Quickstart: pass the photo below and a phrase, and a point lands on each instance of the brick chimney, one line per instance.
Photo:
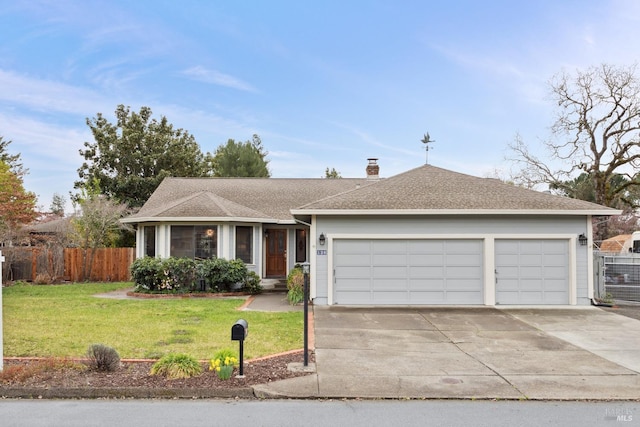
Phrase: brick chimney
(373, 169)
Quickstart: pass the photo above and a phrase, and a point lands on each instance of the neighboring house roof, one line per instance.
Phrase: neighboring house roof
(432, 190)
(241, 199)
(616, 243)
(58, 225)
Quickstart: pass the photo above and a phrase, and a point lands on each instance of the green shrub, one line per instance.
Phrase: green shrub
(236, 274)
(184, 275)
(213, 271)
(178, 275)
(175, 366)
(220, 275)
(146, 273)
(103, 358)
(252, 283)
(295, 285)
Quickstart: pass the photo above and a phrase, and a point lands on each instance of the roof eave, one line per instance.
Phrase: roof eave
(569, 212)
(135, 220)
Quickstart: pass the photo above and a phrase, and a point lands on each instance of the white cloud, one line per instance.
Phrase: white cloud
(49, 96)
(217, 78)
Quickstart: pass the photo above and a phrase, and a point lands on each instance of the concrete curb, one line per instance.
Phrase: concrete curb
(126, 392)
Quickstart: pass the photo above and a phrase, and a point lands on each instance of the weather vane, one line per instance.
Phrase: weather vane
(426, 141)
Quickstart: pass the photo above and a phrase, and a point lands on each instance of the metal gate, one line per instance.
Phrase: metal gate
(617, 276)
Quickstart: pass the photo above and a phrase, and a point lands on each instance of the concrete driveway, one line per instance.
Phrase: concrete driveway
(487, 353)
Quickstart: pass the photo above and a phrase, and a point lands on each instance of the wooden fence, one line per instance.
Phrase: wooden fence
(40, 264)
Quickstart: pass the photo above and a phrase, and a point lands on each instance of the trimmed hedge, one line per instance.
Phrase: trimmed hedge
(183, 275)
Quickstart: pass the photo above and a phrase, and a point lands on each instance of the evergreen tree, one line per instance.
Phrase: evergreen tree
(240, 159)
(130, 158)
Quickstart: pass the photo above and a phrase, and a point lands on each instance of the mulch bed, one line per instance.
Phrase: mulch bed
(48, 374)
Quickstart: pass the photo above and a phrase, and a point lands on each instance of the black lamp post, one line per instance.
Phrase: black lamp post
(305, 271)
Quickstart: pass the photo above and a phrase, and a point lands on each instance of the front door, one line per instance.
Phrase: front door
(276, 253)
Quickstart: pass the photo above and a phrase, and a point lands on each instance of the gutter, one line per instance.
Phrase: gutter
(299, 221)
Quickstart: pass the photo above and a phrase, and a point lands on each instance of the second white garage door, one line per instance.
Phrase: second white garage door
(421, 271)
(532, 271)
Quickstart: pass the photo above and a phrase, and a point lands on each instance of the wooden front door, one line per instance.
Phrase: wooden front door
(276, 253)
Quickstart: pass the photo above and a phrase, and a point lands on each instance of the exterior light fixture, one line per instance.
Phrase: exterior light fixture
(582, 239)
(322, 239)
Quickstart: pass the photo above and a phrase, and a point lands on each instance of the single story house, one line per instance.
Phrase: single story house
(428, 236)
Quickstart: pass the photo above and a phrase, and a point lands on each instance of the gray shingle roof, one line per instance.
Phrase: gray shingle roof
(426, 189)
(429, 188)
(263, 199)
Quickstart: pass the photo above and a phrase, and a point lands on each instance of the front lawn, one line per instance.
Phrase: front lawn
(63, 320)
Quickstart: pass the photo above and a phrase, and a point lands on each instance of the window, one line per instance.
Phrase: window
(150, 241)
(244, 244)
(194, 241)
(301, 245)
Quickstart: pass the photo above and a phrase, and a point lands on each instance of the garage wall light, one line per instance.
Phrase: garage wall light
(322, 239)
(582, 239)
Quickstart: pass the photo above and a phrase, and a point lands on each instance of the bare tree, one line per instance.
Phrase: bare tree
(596, 132)
(97, 226)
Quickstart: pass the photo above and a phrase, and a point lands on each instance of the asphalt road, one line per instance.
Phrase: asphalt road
(283, 413)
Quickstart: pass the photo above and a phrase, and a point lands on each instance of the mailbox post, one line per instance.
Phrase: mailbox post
(239, 332)
(305, 271)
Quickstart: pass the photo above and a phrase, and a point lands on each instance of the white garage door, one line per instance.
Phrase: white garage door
(380, 271)
(532, 271)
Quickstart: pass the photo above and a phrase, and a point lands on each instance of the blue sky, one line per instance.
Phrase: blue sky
(324, 84)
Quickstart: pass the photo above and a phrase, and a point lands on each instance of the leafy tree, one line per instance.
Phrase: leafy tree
(240, 159)
(17, 206)
(97, 225)
(333, 173)
(130, 158)
(596, 134)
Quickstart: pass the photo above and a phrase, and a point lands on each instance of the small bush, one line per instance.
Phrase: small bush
(176, 366)
(178, 275)
(146, 273)
(295, 286)
(103, 358)
(214, 271)
(252, 283)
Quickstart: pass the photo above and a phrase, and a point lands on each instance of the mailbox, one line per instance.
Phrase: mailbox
(239, 330)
